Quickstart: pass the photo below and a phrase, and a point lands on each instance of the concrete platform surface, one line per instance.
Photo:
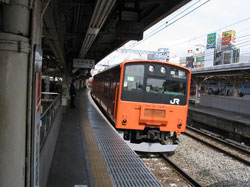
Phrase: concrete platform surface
(232, 116)
(90, 152)
(69, 166)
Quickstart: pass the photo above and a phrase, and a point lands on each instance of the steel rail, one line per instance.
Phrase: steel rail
(230, 144)
(219, 149)
(188, 178)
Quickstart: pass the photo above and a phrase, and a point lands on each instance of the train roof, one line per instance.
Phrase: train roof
(144, 61)
(157, 61)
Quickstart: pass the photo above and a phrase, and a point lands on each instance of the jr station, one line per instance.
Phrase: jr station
(136, 123)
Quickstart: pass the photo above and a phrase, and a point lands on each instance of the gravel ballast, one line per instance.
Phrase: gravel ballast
(164, 173)
(209, 167)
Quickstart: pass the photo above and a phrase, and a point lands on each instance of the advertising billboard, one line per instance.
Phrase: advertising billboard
(211, 40)
(228, 38)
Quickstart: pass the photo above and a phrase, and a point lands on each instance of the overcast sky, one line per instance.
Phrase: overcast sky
(210, 17)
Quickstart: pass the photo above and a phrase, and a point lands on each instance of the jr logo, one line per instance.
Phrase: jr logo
(175, 101)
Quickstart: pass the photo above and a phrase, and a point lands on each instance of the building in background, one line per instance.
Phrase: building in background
(245, 57)
(198, 55)
(220, 49)
(178, 60)
(124, 54)
(161, 54)
(229, 53)
(190, 61)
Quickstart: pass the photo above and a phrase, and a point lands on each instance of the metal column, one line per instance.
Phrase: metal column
(197, 93)
(14, 57)
(235, 88)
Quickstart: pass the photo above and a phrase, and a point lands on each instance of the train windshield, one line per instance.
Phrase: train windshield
(133, 79)
(154, 83)
(166, 86)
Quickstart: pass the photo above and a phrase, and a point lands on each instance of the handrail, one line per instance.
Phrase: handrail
(51, 105)
(50, 93)
(49, 115)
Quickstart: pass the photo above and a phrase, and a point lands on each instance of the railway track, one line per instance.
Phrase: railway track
(219, 138)
(183, 174)
(167, 171)
(237, 152)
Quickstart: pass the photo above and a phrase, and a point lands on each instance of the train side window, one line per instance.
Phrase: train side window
(133, 79)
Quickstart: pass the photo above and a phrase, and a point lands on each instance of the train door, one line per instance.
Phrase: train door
(116, 92)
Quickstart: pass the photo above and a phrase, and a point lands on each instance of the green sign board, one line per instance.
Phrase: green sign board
(211, 40)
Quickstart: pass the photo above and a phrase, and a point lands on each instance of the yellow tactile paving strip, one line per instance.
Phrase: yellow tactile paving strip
(99, 169)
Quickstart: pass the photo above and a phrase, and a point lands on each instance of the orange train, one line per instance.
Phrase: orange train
(147, 102)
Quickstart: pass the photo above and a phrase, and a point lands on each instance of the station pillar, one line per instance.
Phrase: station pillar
(235, 89)
(15, 67)
(197, 93)
(14, 57)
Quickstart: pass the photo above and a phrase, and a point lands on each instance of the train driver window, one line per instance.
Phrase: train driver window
(154, 85)
(174, 87)
(168, 87)
(133, 79)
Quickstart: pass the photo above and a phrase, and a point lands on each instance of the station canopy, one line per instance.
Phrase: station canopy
(92, 29)
(228, 73)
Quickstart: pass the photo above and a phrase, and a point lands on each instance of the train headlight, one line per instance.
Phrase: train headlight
(179, 125)
(124, 122)
(151, 68)
(163, 70)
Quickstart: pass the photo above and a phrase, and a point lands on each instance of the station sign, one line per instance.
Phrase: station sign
(211, 40)
(83, 63)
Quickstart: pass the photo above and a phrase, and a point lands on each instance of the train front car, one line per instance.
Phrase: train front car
(152, 105)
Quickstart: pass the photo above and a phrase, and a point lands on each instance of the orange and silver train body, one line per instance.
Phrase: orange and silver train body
(147, 102)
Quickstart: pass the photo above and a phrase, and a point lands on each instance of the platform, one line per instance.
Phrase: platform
(90, 152)
(224, 120)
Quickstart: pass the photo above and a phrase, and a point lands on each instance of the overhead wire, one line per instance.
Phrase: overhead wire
(194, 38)
(168, 24)
(235, 23)
(164, 24)
(153, 29)
(239, 43)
